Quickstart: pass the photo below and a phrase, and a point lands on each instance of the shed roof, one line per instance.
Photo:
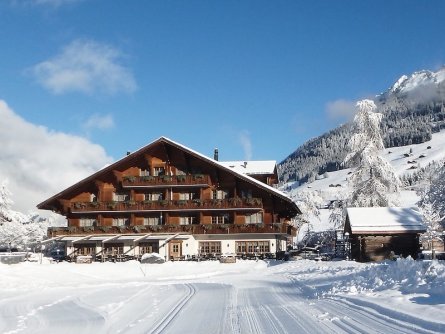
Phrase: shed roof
(385, 220)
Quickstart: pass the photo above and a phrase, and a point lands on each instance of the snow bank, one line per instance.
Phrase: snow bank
(406, 275)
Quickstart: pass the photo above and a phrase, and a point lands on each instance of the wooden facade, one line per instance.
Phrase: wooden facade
(376, 234)
(168, 190)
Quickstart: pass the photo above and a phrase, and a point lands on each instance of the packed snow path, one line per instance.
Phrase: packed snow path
(252, 301)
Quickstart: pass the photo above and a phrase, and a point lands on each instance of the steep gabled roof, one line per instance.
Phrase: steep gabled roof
(194, 153)
(384, 220)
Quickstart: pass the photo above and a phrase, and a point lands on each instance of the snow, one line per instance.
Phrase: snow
(210, 297)
(250, 167)
(384, 219)
(336, 183)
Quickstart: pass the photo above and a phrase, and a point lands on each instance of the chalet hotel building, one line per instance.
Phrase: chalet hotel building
(167, 198)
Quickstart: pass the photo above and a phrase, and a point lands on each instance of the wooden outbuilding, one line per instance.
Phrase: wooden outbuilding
(380, 233)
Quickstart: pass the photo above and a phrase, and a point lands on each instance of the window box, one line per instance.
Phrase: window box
(111, 205)
(129, 178)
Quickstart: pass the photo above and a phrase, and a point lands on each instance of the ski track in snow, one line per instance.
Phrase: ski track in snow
(247, 303)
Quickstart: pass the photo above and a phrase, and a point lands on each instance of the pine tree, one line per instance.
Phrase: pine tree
(374, 181)
(432, 197)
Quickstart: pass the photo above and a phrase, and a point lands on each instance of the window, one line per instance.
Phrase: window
(186, 196)
(158, 171)
(83, 222)
(85, 249)
(209, 247)
(220, 219)
(220, 194)
(148, 247)
(121, 197)
(144, 172)
(151, 221)
(255, 218)
(186, 220)
(252, 247)
(153, 196)
(121, 221)
(114, 249)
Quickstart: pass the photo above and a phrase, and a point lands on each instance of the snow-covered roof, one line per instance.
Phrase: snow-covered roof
(384, 220)
(252, 167)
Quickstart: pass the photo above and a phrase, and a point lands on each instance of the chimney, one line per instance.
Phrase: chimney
(215, 154)
(128, 153)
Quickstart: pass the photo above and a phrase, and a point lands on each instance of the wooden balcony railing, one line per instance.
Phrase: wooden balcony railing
(166, 180)
(276, 228)
(165, 205)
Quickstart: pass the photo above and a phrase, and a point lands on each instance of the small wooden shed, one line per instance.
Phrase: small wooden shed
(377, 233)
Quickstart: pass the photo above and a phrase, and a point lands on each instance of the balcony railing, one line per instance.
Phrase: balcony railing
(276, 228)
(166, 205)
(166, 180)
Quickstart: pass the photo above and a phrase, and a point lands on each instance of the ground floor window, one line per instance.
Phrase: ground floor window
(252, 247)
(114, 249)
(209, 247)
(85, 249)
(148, 247)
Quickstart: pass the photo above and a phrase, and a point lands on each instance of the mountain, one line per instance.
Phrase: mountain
(413, 109)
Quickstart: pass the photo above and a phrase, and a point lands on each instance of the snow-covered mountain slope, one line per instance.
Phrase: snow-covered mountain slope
(413, 109)
(422, 80)
(405, 160)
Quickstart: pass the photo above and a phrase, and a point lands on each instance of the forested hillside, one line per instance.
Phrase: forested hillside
(413, 108)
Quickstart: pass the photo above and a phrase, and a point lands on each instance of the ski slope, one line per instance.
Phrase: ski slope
(209, 297)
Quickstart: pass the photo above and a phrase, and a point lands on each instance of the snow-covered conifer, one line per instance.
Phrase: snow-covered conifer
(374, 181)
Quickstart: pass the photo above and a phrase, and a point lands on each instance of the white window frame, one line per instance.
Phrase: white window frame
(151, 221)
(121, 197)
(121, 221)
(84, 222)
(220, 194)
(254, 218)
(153, 196)
(157, 171)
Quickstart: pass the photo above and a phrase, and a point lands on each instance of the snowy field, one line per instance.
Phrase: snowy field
(208, 297)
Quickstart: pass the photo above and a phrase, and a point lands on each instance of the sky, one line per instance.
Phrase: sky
(84, 81)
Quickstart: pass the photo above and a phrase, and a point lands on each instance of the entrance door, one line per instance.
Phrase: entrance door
(175, 250)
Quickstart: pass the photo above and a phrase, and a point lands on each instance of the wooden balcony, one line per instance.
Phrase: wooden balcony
(165, 205)
(277, 228)
(198, 180)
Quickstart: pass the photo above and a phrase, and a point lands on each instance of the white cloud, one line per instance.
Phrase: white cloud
(85, 66)
(101, 122)
(39, 163)
(341, 109)
(246, 143)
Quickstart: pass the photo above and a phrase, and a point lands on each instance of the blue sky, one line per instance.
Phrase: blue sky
(254, 78)
(84, 81)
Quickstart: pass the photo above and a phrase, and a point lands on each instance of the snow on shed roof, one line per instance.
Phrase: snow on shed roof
(251, 167)
(385, 220)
